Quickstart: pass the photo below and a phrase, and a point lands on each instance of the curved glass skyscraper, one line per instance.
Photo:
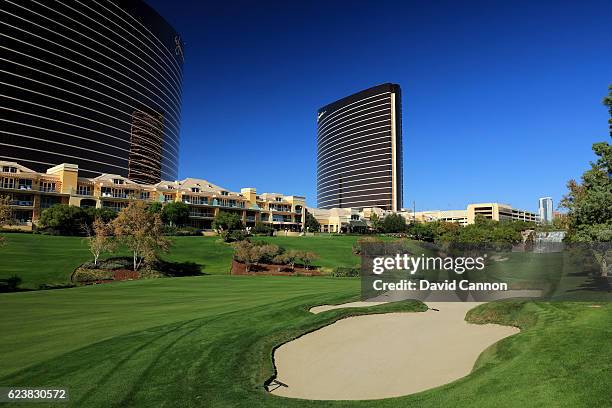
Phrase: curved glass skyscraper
(359, 150)
(95, 83)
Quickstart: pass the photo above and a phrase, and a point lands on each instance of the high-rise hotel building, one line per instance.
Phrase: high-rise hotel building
(359, 150)
(95, 83)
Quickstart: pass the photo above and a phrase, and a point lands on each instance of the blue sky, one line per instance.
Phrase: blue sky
(501, 100)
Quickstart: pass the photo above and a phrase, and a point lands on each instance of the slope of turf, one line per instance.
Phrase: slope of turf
(207, 341)
(44, 259)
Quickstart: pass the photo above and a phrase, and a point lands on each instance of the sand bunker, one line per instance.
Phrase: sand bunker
(384, 355)
(325, 308)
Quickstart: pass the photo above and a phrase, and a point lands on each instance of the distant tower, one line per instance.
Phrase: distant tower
(545, 208)
(359, 150)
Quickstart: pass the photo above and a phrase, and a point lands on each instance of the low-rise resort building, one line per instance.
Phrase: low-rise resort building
(31, 192)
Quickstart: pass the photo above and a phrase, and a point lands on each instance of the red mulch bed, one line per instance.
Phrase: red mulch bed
(238, 268)
(118, 275)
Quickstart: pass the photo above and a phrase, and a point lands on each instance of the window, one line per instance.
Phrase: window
(279, 199)
(83, 189)
(224, 193)
(47, 186)
(145, 195)
(118, 181)
(9, 169)
(168, 197)
(8, 182)
(195, 189)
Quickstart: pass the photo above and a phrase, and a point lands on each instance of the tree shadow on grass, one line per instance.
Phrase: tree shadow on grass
(178, 269)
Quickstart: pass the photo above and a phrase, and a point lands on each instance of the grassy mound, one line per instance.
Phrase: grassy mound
(207, 341)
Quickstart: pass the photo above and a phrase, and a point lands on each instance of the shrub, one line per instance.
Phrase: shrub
(10, 284)
(357, 246)
(262, 229)
(63, 219)
(345, 272)
(92, 275)
(182, 231)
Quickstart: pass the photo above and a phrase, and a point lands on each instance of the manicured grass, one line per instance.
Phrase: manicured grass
(333, 250)
(43, 259)
(207, 341)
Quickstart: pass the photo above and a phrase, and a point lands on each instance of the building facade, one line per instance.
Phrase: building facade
(95, 83)
(359, 150)
(31, 192)
(341, 220)
(545, 209)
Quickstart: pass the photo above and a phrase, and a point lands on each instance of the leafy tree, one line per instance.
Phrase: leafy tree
(6, 214)
(99, 238)
(72, 220)
(226, 223)
(175, 213)
(141, 231)
(310, 223)
(156, 207)
(261, 228)
(422, 231)
(307, 257)
(246, 252)
(589, 202)
(376, 223)
(63, 219)
(268, 251)
(394, 223)
(288, 258)
(589, 205)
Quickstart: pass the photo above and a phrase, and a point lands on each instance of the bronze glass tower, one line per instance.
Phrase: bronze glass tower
(359, 150)
(95, 83)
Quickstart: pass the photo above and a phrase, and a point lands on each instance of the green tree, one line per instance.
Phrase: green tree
(394, 223)
(156, 207)
(72, 220)
(589, 204)
(422, 231)
(63, 219)
(227, 224)
(261, 228)
(307, 257)
(247, 253)
(141, 232)
(6, 213)
(288, 258)
(375, 223)
(310, 223)
(99, 238)
(175, 213)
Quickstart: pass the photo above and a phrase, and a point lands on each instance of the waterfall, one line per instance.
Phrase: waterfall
(549, 241)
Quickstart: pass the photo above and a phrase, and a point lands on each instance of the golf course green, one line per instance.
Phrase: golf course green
(207, 341)
(45, 259)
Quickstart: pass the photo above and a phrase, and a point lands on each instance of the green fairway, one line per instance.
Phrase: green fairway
(44, 259)
(207, 341)
(41, 259)
(333, 250)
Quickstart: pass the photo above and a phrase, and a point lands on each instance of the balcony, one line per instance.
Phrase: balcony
(48, 190)
(22, 203)
(201, 215)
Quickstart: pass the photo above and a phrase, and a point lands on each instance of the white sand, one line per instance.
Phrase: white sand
(325, 308)
(385, 355)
